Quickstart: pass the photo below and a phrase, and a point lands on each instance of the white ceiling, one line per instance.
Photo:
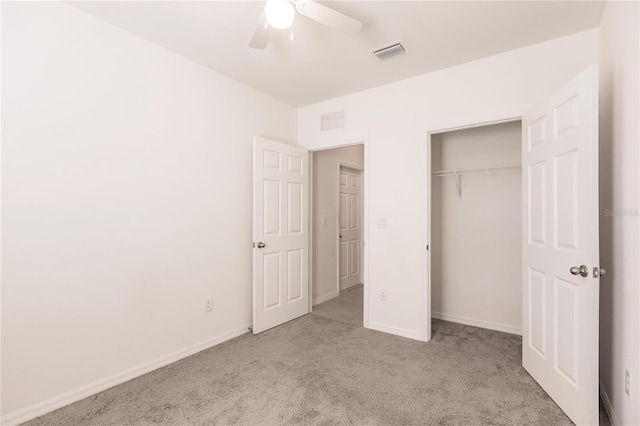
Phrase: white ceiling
(320, 64)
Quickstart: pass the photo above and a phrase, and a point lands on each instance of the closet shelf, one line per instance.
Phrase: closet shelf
(458, 172)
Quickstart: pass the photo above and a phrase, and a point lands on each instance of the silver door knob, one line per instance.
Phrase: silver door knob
(582, 270)
(261, 245)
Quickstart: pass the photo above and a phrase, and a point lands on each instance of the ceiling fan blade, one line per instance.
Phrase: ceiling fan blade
(261, 34)
(330, 17)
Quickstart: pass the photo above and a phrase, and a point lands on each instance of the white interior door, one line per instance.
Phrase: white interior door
(280, 233)
(560, 234)
(350, 227)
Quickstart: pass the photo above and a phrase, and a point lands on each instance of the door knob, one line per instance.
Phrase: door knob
(261, 245)
(582, 270)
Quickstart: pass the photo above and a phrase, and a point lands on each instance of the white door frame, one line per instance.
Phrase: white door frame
(365, 232)
(429, 168)
(360, 169)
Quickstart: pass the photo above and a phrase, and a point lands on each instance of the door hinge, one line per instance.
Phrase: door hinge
(427, 247)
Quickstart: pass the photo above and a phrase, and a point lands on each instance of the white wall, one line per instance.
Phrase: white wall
(476, 246)
(326, 166)
(396, 118)
(619, 187)
(125, 205)
(126, 186)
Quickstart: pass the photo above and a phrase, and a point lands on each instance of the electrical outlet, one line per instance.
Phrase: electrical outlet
(627, 382)
(383, 294)
(208, 304)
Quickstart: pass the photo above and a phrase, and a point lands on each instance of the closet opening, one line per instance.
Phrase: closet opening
(475, 227)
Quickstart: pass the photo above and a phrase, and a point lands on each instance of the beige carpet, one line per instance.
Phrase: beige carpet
(317, 371)
(347, 307)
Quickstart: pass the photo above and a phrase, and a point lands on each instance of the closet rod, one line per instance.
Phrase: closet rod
(441, 173)
(456, 173)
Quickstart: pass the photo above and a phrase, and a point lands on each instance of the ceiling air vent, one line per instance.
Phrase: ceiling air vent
(387, 52)
(333, 121)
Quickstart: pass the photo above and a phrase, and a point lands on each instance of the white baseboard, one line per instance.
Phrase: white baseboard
(410, 334)
(477, 323)
(350, 286)
(607, 405)
(328, 296)
(60, 401)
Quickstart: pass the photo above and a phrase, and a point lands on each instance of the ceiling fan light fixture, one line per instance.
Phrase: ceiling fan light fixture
(279, 14)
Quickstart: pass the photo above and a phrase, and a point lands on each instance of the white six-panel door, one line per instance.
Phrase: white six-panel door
(560, 232)
(280, 233)
(350, 227)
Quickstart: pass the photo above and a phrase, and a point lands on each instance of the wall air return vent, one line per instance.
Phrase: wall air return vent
(333, 121)
(390, 50)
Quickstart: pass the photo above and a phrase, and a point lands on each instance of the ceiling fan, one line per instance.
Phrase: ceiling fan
(280, 14)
